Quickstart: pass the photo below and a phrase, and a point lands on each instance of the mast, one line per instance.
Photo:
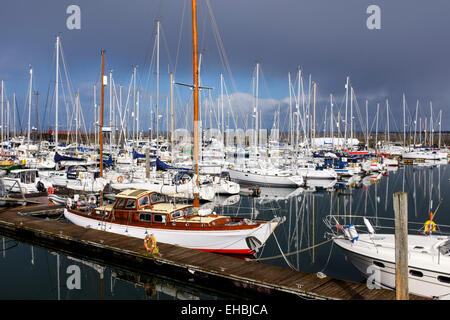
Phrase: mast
(56, 92)
(290, 111)
(221, 102)
(387, 115)
(76, 119)
(351, 116)
(157, 81)
(171, 114)
(376, 130)
(346, 106)
(134, 104)
(314, 115)
(8, 118)
(367, 125)
(331, 121)
(110, 110)
(29, 107)
(404, 121)
(440, 128)
(415, 122)
(256, 106)
(137, 116)
(36, 93)
(195, 78)
(431, 125)
(95, 115)
(2, 101)
(101, 117)
(14, 112)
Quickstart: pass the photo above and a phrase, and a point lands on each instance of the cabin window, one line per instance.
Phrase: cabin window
(143, 201)
(145, 217)
(156, 197)
(189, 211)
(159, 218)
(445, 248)
(177, 214)
(120, 203)
(131, 204)
(416, 273)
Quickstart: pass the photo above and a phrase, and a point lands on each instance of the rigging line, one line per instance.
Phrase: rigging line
(179, 38)
(221, 45)
(229, 104)
(147, 49)
(166, 47)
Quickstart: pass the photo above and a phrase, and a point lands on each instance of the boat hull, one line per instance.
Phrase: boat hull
(237, 241)
(248, 178)
(381, 270)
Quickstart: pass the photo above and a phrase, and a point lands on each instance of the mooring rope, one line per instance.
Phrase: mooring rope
(283, 255)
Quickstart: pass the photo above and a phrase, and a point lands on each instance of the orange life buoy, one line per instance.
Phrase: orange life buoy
(119, 179)
(430, 226)
(150, 243)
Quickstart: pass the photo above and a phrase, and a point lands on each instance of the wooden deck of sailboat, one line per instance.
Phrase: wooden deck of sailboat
(228, 272)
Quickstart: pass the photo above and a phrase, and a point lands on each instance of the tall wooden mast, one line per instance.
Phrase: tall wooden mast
(195, 74)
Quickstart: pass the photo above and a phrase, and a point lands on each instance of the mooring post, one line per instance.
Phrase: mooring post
(147, 163)
(401, 245)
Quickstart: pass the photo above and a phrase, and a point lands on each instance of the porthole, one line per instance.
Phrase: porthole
(378, 264)
(443, 279)
(416, 273)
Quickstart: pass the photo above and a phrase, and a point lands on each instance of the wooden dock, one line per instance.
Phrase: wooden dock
(245, 279)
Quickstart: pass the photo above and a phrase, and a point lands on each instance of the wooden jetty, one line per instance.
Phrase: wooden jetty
(244, 279)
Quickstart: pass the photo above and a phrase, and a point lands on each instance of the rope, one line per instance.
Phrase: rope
(10, 247)
(290, 253)
(285, 259)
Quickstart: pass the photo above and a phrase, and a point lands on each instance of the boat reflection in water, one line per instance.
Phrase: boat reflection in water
(41, 274)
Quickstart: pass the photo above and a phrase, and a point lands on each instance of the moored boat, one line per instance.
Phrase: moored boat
(139, 213)
(373, 254)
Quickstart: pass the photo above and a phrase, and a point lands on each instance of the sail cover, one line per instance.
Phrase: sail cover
(59, 158)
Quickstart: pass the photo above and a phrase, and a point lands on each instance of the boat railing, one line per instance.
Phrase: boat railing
(362, 224)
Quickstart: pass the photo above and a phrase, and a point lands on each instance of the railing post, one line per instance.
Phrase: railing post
(401, 245)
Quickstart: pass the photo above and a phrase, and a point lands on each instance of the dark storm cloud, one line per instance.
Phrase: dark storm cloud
(328, 39)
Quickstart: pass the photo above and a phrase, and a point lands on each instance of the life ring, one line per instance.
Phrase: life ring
(50, 190)
(150, 243)
(120, 179)
(429, 226)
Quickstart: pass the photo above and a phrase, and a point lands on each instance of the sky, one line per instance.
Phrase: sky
(327, 39)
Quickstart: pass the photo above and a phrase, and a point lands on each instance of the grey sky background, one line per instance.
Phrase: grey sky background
(326, 38)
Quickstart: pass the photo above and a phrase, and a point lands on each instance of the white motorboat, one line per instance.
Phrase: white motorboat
(373, 253)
